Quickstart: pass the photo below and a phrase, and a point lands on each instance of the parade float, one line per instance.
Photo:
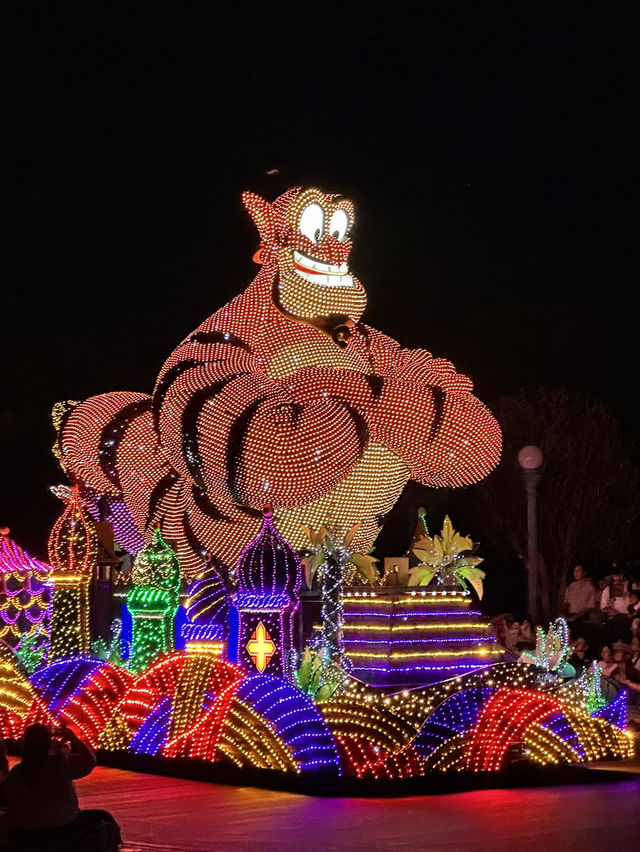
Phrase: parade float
(279, 435)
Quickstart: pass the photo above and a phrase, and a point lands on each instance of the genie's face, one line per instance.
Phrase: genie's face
(305, 235)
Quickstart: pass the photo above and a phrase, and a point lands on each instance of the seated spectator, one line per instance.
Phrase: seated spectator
(42, 801)
(614, 604)
(622, 659)
(634, 659)
(580, 659)
(634, 603)
(527, 634)
(580, 597)
(615, 598)
(606, 661)
(610, 688)
(628, 677)
(505, 631)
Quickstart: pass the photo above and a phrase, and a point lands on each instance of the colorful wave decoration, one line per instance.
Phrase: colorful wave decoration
(201, 707)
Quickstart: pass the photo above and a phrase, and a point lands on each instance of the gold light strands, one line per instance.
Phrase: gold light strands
(73, 547)
(247, 740)
(16, 694)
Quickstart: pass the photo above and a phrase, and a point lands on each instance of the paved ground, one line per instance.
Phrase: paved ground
(161, 814)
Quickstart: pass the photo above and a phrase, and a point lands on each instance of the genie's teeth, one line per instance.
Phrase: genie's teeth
(324, 274)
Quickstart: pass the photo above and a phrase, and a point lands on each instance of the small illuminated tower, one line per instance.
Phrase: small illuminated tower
(269, 575)
(153, 602)
(73, 547)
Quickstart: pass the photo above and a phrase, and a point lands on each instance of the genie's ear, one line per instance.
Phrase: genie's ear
(262, 214)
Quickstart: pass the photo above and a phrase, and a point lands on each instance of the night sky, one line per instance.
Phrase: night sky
(491, 154)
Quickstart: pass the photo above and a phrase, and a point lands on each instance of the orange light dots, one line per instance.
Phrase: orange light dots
(283, 396)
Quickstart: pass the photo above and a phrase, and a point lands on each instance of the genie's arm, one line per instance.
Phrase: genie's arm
(426, 411)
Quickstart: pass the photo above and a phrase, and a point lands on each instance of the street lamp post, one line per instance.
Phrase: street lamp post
(530, 459)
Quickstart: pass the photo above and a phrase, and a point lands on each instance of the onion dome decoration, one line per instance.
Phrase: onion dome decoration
(73, 542)
(157, 566)
(268, 564)
(153, 601)
(73, 548)
(24, 591)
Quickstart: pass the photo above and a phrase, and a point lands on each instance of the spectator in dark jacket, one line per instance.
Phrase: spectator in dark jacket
(41, 797)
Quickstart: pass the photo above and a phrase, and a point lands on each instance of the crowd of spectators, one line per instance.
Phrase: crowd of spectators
(604, 624)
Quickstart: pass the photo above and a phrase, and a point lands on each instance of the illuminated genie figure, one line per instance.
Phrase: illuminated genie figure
(281, 397)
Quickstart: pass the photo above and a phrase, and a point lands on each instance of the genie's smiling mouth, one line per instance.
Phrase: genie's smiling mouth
(324, 274)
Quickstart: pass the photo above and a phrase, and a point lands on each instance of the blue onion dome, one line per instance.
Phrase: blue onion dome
(268, 564)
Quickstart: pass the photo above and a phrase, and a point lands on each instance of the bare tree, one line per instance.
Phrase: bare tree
(589, 493)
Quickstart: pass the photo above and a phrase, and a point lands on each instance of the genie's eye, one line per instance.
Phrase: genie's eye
(312, 222)
(339, 224)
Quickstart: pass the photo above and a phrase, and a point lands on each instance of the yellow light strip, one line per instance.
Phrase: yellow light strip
(64, 579)
(418, 599)
(215, 649)
(482, 652)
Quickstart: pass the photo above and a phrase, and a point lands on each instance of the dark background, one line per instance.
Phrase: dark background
(490, 149)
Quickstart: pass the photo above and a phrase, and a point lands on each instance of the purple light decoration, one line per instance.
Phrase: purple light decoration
(208, 597)
(269, 576)
(457, 667)
(422, 613)
(25, 590)
(202, 632)
(14, 558)
(261, 602)
(116, 512)
(295, 719)
(558, 724)
(152, 734)
(269, 564)
(617, 712)
(404, 642)
(60, 681)
(420, 637)
(432, 735)
(461, 711)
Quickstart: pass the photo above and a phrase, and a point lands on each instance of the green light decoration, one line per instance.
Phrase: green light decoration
(552, 651)
(111, 652)
(316, 679)
(32, 650)
(153, 602)
(593, 689)
(449, 558)
(327, 544)
(332, 559)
